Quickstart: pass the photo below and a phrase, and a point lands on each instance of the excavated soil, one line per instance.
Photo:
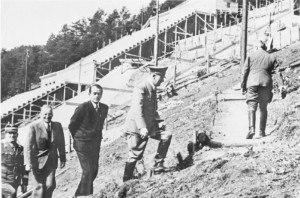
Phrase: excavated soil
(266, 167)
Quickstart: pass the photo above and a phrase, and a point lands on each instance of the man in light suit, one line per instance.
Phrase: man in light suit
(45, 140)
(257, 83)
(86, 129)
(143, 121)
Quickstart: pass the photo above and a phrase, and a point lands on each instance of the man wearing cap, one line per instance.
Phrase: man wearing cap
(13, 172)
(257, 83)
(86, 129)
(143, 121)
(44, 144)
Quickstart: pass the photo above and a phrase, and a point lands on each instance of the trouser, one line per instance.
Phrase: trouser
(44, 182)
(137, 147)
(9, 190)
(89, 162)
(259, 96)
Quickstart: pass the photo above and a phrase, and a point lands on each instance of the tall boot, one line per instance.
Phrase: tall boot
(128, 172)
(251, 120)
(263, 123)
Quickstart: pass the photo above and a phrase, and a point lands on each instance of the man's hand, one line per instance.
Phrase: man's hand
(28, 167)
(62, 164)
(23, 188)
(144, 133)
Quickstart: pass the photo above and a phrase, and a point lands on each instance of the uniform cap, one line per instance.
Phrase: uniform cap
(10, 129)
(158, 70)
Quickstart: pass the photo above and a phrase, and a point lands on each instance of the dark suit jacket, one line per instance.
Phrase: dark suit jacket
(36, 144)
(86, 125)
(143, 108)
(257, 70)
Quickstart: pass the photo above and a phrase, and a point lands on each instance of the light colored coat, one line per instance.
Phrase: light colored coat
(143, 109)
(36, 151)
(257, 70)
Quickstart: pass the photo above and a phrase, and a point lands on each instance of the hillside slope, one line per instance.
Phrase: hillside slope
(267, 167)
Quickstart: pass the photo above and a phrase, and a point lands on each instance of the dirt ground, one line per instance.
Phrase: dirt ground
(267, 167)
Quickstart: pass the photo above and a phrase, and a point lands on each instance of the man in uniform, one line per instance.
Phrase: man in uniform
(86, 129)
(143, 121)
(45, 140)
(257, 83)
(13, 172)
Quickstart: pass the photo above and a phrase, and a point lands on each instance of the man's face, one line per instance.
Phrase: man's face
(96, 94)
(12, 136)
(158, 79)
(47, 114)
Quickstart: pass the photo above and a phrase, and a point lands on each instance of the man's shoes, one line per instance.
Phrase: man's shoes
(159, 167)
(250, 135)
(262, 134)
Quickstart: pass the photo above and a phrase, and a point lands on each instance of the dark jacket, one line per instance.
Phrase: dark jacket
(12, 164)
(86, 124)
(37, 151)
(257, 70)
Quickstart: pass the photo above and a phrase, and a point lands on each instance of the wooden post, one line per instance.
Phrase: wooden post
(196, 25)
(205, 39)
(24, 114)
(54, 99)
(12, 118)
(279, 39)
(65, 89)
(185, 32)
(94, 73)
(47, 99)
(225, 18)
(79, 77)
(156, 42)
(30, 109)
(140, 49)
(215, 31)
(109, 66)
(165, 46)
(244, 32)
(222, 33)
(174, 80)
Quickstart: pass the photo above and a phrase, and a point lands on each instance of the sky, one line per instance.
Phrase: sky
(31, 22)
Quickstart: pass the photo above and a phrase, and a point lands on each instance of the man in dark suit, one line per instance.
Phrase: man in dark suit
(13, 172)
(45, 140)
(86, 128)
(257, 82)
(143, 121)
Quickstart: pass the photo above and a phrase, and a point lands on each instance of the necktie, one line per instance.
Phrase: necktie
(14, 145)
(97, 107)
(49, 133)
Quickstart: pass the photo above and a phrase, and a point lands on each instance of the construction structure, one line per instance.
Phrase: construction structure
(194, 30)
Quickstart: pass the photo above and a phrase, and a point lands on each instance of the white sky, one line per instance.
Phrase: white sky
(30, 22)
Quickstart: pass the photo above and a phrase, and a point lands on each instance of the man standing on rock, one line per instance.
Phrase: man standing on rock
(257, 82)
(143, 121)
(44, 144)
(86, 128)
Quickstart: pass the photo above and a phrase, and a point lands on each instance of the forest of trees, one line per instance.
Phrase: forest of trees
(73, 41)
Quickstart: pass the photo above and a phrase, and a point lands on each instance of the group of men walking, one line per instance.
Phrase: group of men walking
(45, 142)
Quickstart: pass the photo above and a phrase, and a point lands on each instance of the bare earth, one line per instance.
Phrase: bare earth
(267, 167)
